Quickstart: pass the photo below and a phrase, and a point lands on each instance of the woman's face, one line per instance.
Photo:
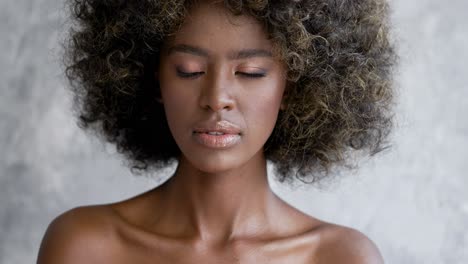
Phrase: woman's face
(221, 87)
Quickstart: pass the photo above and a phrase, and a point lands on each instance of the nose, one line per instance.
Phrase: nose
(217, 94)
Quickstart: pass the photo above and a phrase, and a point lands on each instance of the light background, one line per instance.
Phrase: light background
(412, 200)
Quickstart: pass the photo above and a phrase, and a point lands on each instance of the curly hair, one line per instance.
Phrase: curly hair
(339, 61)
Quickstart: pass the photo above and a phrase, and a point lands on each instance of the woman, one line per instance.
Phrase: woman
(220, 88)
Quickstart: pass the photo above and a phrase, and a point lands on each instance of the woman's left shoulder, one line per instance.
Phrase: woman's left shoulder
(340, 244)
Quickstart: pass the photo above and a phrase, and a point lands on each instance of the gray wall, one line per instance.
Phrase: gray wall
(412, 201)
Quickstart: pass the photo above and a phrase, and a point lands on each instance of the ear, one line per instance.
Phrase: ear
(158, 94)
(285, 95)
(283, 106)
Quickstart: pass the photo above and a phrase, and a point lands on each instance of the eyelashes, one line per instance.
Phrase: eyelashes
(193, 75)
(188, 75)
(252, 75)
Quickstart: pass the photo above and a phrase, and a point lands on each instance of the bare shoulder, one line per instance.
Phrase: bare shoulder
(81, 235)
(346, 245)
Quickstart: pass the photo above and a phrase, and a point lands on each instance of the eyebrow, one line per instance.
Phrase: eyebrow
(188, 49)
(241, 54)
(249, 53)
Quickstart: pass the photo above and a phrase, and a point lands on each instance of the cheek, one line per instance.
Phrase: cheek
(172, 94)
(265, 107)
(267, 110)
(176, 117)
(174, 100)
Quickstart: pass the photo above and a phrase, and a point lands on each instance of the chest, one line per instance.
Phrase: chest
(185, 254)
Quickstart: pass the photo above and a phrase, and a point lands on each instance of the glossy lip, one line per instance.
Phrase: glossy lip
(217, 141)
(231, 134)
(222, 126)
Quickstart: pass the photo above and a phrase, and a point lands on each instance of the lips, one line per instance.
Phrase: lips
(218, 128)
(217, 141)
(217, 135)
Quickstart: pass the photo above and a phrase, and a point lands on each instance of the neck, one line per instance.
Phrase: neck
(219, 206)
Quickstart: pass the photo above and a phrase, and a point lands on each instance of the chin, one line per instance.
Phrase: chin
(218, 163)
(214, 164)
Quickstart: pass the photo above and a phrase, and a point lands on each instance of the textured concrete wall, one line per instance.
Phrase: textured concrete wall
(412, 201)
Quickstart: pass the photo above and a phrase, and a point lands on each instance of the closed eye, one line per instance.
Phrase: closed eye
(251, 75)
(188, 75)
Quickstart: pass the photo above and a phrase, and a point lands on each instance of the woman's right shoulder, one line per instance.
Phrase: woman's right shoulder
(85, 234)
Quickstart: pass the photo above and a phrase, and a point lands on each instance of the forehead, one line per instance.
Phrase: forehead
(214, 27)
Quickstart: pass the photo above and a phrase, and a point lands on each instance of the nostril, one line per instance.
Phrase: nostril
(218, 104)
(217, 97)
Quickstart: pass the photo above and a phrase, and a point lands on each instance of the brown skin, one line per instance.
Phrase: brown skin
(217, 207)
